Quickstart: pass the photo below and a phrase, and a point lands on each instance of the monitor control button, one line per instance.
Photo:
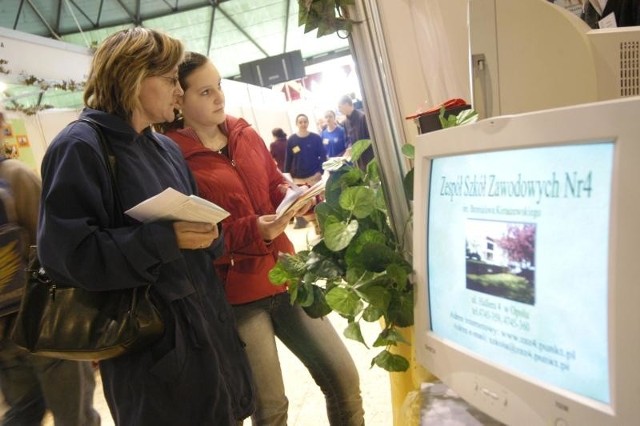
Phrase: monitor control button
(561, 422)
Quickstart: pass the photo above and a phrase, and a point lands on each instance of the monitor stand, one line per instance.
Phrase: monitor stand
(442, 406)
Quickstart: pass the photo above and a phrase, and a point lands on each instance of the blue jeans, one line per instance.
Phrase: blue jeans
(32, 384)
(315, 342)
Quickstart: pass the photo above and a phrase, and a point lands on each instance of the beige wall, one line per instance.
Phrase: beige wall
(428, 47)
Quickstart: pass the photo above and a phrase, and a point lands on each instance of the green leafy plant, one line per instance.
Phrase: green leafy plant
(464, 117)
(328, 16)
(358, 269)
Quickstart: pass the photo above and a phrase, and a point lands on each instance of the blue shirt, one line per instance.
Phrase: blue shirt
(334, 141)
(305, 155)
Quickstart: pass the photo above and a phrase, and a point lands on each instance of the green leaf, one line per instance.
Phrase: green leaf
(376, 295)
(371, 313)
(359, 200)
(303, 12)
(294, 265)
(323, 210)
(353, 332)
(305, 295)
(352, 255)
(390, 362)
(373, 171)
(389, 337)
(319, 308)
(338, 235)
(278, 275)
(354, 274)
(358, 148)
(333, 187)
(446, 120)
(400, 310)
(466, 116)
(328, 268)
(344, 302)
(381, 201)
(323, 7)
(398, 274)
(353, 176)
(409, 150)
(293, 292)
(407, 184)
(326, 27)
(375, 256)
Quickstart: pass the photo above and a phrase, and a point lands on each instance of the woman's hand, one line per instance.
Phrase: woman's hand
(194, 235)
(269, 227)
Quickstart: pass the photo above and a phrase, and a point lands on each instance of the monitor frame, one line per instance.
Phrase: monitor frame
(496, 390)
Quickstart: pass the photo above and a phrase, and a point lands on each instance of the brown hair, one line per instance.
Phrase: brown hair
(277, 132)
(120, 64)
(192, 61)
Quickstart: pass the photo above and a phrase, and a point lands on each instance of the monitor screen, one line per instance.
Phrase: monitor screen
(523, 240)
(503, 268)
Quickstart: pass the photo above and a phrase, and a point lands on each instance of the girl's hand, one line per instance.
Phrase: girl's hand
(269, 227)
(306, 208)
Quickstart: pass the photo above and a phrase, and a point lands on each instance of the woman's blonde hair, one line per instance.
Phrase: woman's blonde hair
(120, 64)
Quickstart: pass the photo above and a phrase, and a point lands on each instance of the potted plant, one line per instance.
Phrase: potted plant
(359, 268)
(328, 16)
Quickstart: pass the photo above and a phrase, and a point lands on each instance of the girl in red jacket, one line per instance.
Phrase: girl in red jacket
(234, 169)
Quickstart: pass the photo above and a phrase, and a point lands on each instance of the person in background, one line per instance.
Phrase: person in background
(355, 126)
(32, 384)
(197, 372)
(303, 160)
(321, 124)
(278, 147)
(333, 136)
(233, 169)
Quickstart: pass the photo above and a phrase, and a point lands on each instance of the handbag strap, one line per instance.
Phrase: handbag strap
(110, 158)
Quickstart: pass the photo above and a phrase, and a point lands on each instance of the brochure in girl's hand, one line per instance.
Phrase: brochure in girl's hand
(173, 205)
(297, 196)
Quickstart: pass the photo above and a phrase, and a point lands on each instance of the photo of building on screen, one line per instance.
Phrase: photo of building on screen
(500, 259)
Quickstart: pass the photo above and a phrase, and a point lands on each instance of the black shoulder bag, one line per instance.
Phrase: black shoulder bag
(61, 321)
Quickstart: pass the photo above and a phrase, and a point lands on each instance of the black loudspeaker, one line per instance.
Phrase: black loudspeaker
(273, 70)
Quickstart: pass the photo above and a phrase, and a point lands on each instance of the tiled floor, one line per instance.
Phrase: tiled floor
(306, 402)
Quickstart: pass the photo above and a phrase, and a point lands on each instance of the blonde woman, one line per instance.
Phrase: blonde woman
(197, 372)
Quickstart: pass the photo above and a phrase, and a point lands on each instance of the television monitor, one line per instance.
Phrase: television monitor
(274, 69)
(526, 236)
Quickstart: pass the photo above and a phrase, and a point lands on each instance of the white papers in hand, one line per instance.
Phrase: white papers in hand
(298, 196)
(173, 205)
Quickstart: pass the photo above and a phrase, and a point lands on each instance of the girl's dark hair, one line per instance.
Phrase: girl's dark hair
(278, 133)
(192, 61)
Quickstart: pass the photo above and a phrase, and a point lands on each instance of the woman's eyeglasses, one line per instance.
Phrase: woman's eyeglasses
(173, 80)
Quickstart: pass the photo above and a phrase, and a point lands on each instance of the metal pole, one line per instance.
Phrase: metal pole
(382, 110)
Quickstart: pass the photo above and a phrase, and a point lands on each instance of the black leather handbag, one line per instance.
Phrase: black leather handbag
(61, 321)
